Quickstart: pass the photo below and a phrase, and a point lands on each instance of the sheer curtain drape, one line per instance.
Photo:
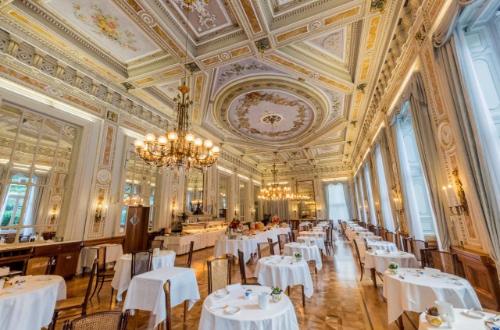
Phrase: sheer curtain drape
(337, 202)
(369, 190)
(385, 201)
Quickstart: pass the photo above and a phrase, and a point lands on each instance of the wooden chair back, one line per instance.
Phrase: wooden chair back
(358, 254)
(241, 263)
(157, 244)
(271, 246)
(168, 305)
(190, 254)
(101, 259)
(100, 320)
(282, 240)
(443, 261)
(138, 259)
(261, 247)
(408, 244)
(389, 236)
(219, 273)
(38, 266)
(88, 291)
(417, 246)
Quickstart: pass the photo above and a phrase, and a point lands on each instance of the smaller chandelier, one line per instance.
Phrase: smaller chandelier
(133, 200)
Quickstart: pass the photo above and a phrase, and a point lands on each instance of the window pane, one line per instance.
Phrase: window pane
(385, 202)
(337, 204)
(371, 204)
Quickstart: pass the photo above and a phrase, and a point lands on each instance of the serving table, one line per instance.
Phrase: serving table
(123, 269)
(146, 291)
(308, 252)
(31, 304)
(277, 316)
(416, 290)
(284, 272)
(201, 239)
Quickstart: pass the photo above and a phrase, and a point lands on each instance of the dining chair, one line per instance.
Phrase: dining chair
(138, 259)
(219, 273)
(243, 273)
(426, 257)
(190, 254)
(389, 236)
(157, 244)
(271, 246)
(444, 261)
(360, 262)
(103, 273)
(75, 306)
(282, 240)
(417, 246)
(100, 320)
(168, 305)
(38, 266)
(260, 248)
(290, 236)
(329, 239)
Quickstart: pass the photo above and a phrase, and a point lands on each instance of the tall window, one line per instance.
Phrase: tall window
(35, 159)
(363, 201)
(481, 65)
(414, 183)
(358, 198)
(369, 191)
(385, 202)
(337, 203)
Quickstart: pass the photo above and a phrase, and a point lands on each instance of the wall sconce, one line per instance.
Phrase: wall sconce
(99, 209)
(53, 214)
(455, 195)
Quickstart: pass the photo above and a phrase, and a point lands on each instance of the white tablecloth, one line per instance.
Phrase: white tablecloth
(381, 245)
(180, 244)
(321, 234)
(89, 253)
(262, 236)
(309, 253)
(318, 241)
(462, 321)
(123, 269)
(31, 306)
(146, 290)
(231, 246)
(278, 316)
(380, 260)
(415, 290)
(282, 272)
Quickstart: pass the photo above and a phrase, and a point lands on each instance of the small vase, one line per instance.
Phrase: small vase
(276, 297)
(393, 271)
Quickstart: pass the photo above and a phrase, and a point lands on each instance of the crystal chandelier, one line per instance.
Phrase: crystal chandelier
(178, 147)
(277, 192)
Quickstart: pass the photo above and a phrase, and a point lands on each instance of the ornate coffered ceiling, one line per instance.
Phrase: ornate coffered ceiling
(292, 76)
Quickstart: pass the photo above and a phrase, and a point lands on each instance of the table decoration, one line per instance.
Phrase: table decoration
(298, 256)
(393, 268)
(276, 294)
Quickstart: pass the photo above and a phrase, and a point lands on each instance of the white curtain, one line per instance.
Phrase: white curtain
(359, 201)
(420, 213)
(369, 190)
(337, 203)
(385, 202)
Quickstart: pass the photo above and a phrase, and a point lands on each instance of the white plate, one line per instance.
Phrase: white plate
(221, 293)
(231, 310)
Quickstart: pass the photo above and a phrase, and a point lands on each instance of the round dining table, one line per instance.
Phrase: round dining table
(246, 313)
(308, 252)
(464, 320)
(381, 245)
(284, 272)
(415, 290)
(28, 302)
(312, 240)
(123, 269)
(378, 261)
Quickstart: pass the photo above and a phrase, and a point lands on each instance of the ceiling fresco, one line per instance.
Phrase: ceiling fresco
(292, 76)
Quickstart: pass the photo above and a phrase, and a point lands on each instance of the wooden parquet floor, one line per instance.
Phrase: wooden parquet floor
(340, 300)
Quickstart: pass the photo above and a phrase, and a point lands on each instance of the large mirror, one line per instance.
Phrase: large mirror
(223, 193)
(36, 155)
(194, 191)
(243, 197)
(306, 209)
(139, 186)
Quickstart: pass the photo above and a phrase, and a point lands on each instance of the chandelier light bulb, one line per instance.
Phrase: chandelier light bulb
(198, 142)
(208, 144)
(162, 139)
(189, 137)
(139, 144)
(216, 150)
(172, 136)
(150, 137)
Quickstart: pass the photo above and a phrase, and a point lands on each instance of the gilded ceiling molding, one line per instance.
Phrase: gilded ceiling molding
(226, 56)
(251, 16)
(66, 83)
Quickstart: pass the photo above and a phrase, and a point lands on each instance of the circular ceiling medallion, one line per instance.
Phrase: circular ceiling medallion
(269, 110)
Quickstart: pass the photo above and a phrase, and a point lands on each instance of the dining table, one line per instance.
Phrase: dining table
(284, 272)
(28, 302)
(245, 244)
(123, 269)
(377, 245)
(146, 292)
(415, 290)
(89, 253)
(465, 319)
(308, 252)
(313, 240)
(236, 307)
(379, 260)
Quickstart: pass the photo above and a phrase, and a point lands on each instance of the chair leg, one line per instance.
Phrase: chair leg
(111, 299)
(303, 298)
(52, 325)
(100, 287)
(185, 310)
(95, 288)
(362, 273)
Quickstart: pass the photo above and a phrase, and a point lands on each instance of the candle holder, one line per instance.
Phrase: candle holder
(457, 203)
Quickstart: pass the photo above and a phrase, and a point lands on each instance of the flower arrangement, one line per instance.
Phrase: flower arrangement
(234, 224)
(393, 267)
(275, 220)
(276, 294)
(297, 256)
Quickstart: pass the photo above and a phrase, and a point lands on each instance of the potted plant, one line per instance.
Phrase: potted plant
(298, 256)
(393, 268)
(432, 316)
(276, 294)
